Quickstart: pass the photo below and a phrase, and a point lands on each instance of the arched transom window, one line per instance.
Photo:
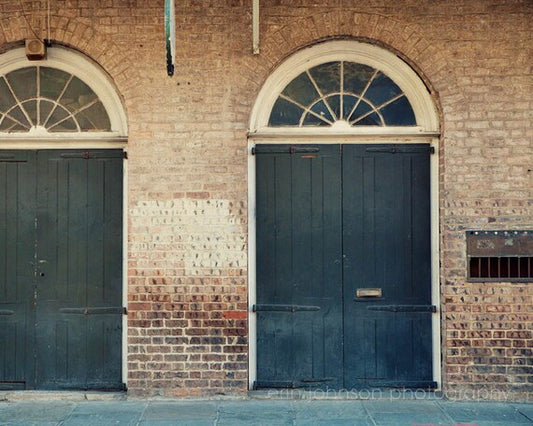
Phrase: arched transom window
(49, 100)
(65, 98)
(346, 88)
(342, 92)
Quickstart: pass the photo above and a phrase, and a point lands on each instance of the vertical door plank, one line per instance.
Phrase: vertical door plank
(95, 232)
(112, 231)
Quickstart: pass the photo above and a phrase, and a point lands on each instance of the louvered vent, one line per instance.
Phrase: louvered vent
(500, 255)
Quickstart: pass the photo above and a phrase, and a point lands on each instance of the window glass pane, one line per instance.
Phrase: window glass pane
(321, 109)
(17, 128)
(285, 113)
(31, 109)
(334, 103)
(381, 90)
(58, 115)
(301, 90)
(6, 124)
(24, 83)
(348, 104)
(77, 95)
(45, 107)
(356, 77)
(399, 113)
(52, 82)
(362, 109)
(312, 120)
(6, 98)
(68, 125)
(370, 120)
(94, 118)
(327, 77)
(17, 115)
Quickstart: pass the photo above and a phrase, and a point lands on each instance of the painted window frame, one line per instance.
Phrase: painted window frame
(400, 72)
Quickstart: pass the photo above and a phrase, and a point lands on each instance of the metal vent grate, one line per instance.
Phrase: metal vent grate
(501, 268)
(500, 255)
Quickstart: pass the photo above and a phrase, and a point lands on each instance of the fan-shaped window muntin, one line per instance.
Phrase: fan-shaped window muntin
(342, 92)
(50, 100)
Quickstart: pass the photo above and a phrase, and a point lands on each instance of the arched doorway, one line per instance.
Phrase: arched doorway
(62, 139)
(344, 225)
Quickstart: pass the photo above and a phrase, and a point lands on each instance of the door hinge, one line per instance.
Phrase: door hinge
(284, 308)
(11, 158)
(12, 385)
(284, 149)
(405, 384)
(291, 384)
(402, 149)
(403, 308)
(94, 310)
(93, 154)
(284, 384)
(318, 379)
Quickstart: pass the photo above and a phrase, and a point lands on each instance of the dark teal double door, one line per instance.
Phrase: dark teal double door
(343, 266)
(61, 269)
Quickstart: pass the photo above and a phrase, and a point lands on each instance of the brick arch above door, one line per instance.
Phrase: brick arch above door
(75, 35)
(406, 39)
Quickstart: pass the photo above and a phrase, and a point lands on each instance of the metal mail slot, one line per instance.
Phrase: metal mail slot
(369, 292)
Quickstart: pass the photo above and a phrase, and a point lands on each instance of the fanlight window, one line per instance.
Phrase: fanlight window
(48, 100)
(342, 93)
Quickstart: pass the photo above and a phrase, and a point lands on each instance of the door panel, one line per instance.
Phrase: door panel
(80, 278)
(298, 220)
(17, 237)
(61, 269)
(332, 220)
(386, 244)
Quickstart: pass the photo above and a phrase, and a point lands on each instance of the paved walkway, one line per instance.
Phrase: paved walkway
(234, 412)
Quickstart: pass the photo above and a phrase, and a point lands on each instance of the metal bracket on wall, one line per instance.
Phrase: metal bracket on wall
(255, 27)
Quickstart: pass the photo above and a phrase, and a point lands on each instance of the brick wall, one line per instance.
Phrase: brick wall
(187, 167)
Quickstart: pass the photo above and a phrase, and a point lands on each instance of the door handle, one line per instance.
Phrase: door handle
(368, 292)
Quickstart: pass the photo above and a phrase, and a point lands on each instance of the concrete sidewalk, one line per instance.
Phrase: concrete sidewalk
(234, 412)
